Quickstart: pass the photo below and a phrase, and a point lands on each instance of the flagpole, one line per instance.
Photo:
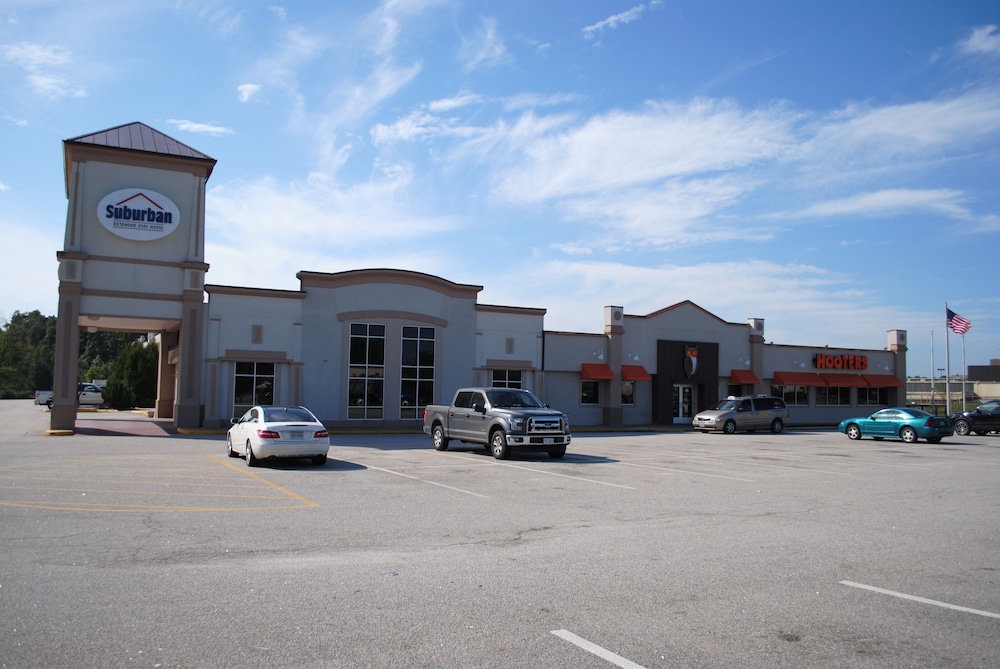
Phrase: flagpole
(947, 361)
(964, 370)
(933, 384)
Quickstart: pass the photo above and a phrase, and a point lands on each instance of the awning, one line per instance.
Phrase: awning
(635, 373)
(798, 379)
(841, 380)
(593, 371)
(743, 376)
(882, 381)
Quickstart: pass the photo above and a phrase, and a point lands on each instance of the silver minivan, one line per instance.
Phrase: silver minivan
(750, 413)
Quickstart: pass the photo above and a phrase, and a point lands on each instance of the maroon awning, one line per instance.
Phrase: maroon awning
(798, 379)
(592, 371)
(743, 376)
(882, 381)
(841, 380)
(635, 373)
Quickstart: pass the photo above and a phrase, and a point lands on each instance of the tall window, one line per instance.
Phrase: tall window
(366, 375)
(253, 384)
(873, 397)
(590, 392)
(628, 393)
(793, 395)
(506, 378)
(833, 395)
(416, 372)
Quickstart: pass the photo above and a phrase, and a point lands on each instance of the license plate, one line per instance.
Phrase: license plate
(548, 440)
(296, 435)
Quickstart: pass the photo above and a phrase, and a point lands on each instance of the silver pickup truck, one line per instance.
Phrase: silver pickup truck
(501, 419)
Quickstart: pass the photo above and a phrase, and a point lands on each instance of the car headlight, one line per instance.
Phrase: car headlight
(517, 424)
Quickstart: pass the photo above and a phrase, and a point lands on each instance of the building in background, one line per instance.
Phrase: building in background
(371, 347)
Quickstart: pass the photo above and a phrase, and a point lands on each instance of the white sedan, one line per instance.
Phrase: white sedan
(266, 432)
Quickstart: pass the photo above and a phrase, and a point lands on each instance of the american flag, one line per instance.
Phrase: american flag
(958, 324)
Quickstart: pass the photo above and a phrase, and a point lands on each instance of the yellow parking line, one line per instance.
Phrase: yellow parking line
(275, 486)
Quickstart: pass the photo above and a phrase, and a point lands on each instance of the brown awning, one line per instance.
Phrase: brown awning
(798, 379)
(841, 380)
(742, 376)
(596, 372)
(882, 381)
(635, 373)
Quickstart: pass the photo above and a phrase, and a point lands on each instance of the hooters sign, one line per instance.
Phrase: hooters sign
(690, 360)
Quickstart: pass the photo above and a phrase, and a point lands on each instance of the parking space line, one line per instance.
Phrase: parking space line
(274, 486)
(683, 471)
(594, 649)
(922, 600)
(417, 478)
(557, 474)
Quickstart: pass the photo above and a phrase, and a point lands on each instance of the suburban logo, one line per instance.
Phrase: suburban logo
(138, 214)
(690, 360)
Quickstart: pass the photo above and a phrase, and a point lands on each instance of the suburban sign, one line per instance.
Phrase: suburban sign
(138, 214)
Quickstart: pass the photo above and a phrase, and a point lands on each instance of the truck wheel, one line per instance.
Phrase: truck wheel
(498, 445)
(440, 441)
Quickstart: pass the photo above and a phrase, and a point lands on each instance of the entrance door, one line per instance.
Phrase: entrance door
(683, 404)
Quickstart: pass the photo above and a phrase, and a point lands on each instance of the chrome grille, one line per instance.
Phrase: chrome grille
(547, 425)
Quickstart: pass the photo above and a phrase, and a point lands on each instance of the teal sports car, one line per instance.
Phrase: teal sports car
(898, 423)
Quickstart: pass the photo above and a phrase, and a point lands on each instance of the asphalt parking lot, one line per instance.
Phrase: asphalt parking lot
(134, 547)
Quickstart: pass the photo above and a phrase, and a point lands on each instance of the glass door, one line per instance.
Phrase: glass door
(683, 404)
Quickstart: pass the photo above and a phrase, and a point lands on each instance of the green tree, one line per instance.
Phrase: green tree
(27, 353)
(133, 375)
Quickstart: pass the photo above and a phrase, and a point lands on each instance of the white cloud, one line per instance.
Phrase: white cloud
(455, 102)
(891, 202)
(247, 91)
(620, 150)
(484, 48)
(982, 41)
(43, 65)
(200, 128)
(613, 22)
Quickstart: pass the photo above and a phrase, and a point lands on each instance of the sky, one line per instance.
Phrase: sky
(830, 167)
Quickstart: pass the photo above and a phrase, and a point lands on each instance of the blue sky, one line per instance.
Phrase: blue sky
(829, 167)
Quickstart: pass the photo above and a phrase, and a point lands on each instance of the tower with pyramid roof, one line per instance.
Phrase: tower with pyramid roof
(133, 260)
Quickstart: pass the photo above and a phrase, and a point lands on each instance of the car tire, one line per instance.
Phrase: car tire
(229, 448)
(853, 431)
(252, 460)
(777, 426)
(729, 427)
(437, 437)
(961, 427)
(558, 453)
(498, 445)
(319, 460)
(908, 435)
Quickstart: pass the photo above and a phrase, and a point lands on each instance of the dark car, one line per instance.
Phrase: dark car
(984, 418)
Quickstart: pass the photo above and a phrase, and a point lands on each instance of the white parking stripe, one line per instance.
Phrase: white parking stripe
(684, 471)
(417, 478)
(564, 476)
(594, 649)
(922, 600)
